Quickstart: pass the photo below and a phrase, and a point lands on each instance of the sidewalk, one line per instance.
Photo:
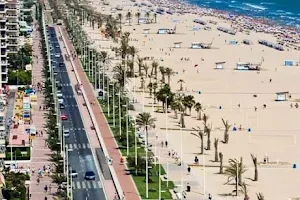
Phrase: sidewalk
(39, 153)
(87, 121)
(125, 180)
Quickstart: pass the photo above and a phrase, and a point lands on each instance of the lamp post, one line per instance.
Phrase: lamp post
(147, 178)
(114, 119)
(108, 99)
(127, 136)
(120, 113)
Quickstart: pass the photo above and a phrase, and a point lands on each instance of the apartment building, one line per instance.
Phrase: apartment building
(9, 29)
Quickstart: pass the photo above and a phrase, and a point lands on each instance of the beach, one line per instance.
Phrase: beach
(260, 125)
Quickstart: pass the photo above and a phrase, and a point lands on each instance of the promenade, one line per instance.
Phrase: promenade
(40, 154)
(126, 182)
(87, 122)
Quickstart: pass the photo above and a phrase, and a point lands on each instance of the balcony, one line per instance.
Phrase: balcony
(11, 22)
(2, 28)
(3, 53)
(12, 44)
(3, 63)
(12, 29)
(4, 78)
(4, 70)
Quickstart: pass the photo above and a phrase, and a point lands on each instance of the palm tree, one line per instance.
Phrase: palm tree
(166, 96)
(260, 196)
(244, 190)
(216, 143)
(155, 16)
(119, 18)
(205, 120)
(119, 75)
(226, 131)
(208, 131)
(146, 69)
(130, 69)
(146, 121)
(234, 172)
(128, 17)
(221, 162)
(198, 108)
(200, 134)
(254, 159)
(175, 106)
(132, 51)
(150, 87)
(163, 72)
(169, 72)
(189, 102)
(181, 81)
(154, 69)
(140, 62)
(138, 15)
(147, 15)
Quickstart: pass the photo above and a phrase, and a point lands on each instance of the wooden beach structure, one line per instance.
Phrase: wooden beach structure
(220, 65)
(146, 30)
(247, 66)
(271, 45)
(227, 30)
(281, 96)
(199, 21)
(177, 45)
(166, 31)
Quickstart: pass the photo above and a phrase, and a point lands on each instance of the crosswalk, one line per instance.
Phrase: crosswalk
(76, 129)
(86, 184)
(78, 146)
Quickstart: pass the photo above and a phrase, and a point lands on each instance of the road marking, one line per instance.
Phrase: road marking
(75, 146)
(88, 184)
(83, 146)
(99, 184)
(94, 184)
(83, 185)
(78, 185)
(79, 146)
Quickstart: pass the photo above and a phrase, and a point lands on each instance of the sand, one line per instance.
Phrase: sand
(275, 130)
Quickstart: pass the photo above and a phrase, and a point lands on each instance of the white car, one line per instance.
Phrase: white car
(61, 101)
(66, 132)
(57, 55)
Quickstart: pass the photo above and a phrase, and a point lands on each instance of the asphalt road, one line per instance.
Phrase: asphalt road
(80, 156)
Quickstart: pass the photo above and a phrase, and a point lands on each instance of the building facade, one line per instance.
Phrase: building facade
(9, 28)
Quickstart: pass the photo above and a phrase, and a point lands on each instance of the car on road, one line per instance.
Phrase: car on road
(64, 117)
(57, 55)
(66, 132)
(61, 64)
(73, 173)
(62, 106)
(90, 175)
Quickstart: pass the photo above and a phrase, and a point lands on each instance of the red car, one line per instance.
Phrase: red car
(63, 117)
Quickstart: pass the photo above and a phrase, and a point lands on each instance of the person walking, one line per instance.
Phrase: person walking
(189, 170)
(209, 197)
(46, 188)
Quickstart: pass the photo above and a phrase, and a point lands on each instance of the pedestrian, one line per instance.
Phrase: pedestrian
(46, 198)
(38, 180)
(46, 188)
(189, 169)
(209, 197)
(255, 108)
(166, 144)
(169, 153)
(162, 143)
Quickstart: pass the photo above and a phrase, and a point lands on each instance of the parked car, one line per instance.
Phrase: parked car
(64, 117)
(66, 132)
(74, 174)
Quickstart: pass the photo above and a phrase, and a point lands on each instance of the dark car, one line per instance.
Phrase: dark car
(90, 175)
(61, 106)
(61, 64)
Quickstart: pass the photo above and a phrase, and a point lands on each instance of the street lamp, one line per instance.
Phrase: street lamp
(127, 118)
(120, 128)
(67, 169)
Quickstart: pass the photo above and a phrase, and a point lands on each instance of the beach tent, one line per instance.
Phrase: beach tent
(248, 42)
(196, 28)
(196, 45)
(233, 42)
(146, 31)
(177, 45)
(289, 63)
(242, 66)
(220, 65)
(142, 20)
(281, 96)
(162, 31)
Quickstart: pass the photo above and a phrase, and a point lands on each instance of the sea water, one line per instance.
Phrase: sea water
(285, 12)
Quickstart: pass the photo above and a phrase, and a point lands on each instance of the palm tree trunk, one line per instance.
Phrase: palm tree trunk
(202, 145)
(199, 115)
(182, 120)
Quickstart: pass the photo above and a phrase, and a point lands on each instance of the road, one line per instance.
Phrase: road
(81, 157)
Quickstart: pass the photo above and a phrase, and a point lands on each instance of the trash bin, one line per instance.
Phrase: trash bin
(188, 188)
(294, 166)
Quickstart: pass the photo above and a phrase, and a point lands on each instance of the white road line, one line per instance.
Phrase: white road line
(75, 146)
(94, 184)
(88, 184)
(79, 146)
(83, 146)
(78, 185)
(99, 184)
(83, 185)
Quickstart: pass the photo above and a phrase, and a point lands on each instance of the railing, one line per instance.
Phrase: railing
(111, 168)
